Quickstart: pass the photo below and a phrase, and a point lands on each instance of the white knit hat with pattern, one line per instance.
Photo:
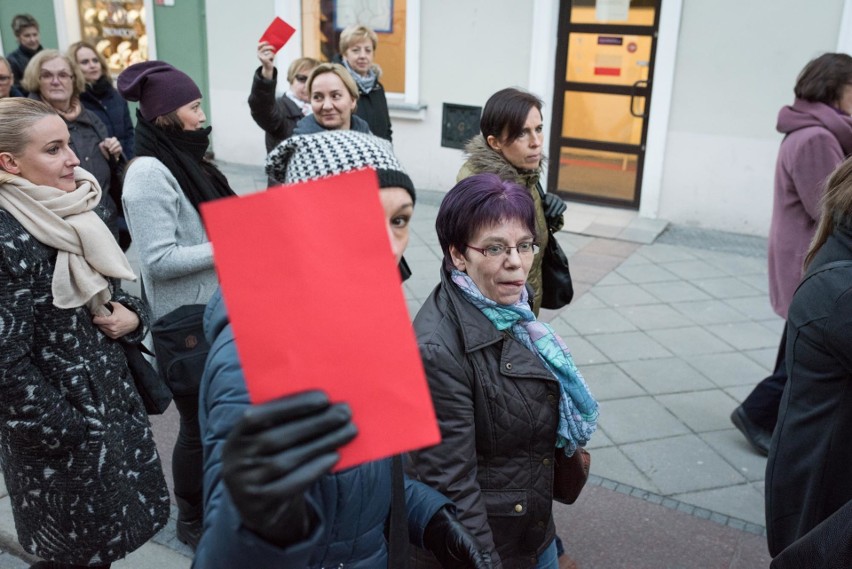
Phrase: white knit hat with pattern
(311, 156)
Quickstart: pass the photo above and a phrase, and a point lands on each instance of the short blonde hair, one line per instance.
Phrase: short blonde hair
(31, 82)
(303, 63)
(17, 116)
(354, 34)
(338, 70)
(77, 46)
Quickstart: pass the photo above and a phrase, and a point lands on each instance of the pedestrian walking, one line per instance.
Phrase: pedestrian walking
(511, 145)
(506, 391)
(810, 459)
(163, 190)
(267, 469)
(78, 456)
(357, 49)
(817, 130)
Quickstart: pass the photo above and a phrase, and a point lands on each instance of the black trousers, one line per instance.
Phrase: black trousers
(762, 403)
(187, 457)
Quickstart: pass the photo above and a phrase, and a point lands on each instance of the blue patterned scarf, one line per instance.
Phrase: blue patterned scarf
(578, 410)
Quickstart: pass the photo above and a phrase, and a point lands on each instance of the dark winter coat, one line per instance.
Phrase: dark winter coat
(373, 108)
(809, 472)
(276, 116)
(309, 125)
(497, 409)
(113, 112)
(817, 139)
(483, 159)
(18, 60)
(76, 447)
(352, 506)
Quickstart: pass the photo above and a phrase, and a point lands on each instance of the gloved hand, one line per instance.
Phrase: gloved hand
(553, 206)
(275, 453)
(452, 544)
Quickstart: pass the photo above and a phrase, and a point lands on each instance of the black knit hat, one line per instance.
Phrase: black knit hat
(311, 156)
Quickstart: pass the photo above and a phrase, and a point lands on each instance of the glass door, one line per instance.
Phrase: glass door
(604, 71)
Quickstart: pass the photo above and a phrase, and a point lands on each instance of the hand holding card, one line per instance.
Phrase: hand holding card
(277, 34)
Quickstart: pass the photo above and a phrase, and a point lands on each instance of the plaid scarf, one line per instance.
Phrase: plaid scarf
(578, 410)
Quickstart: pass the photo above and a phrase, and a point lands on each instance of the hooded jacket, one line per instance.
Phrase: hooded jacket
(817, 139)
(483, 159)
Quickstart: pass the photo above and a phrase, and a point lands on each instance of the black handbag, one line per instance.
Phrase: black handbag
(181, 348)
(557, 288)
(153, 391)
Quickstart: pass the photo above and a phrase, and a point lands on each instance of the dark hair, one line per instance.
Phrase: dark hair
(506, 113)
(822, 80)
(22, 21)
(835, 208)
(169, 122)
(477, 202)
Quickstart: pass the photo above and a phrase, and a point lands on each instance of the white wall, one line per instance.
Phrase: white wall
(737, 63)
(468, 51)
(232, 35)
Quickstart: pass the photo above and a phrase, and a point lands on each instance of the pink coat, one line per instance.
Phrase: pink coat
(818, 138)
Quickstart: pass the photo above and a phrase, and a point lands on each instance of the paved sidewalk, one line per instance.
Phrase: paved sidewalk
(670, 336)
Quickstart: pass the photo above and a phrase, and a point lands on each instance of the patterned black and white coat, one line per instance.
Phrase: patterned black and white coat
(77, 451)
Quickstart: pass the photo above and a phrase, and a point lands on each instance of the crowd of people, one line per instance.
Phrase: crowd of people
(254, 483)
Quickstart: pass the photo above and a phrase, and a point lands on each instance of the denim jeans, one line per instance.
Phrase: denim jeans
(548, 558)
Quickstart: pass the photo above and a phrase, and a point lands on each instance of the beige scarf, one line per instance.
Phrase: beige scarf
(87, 252)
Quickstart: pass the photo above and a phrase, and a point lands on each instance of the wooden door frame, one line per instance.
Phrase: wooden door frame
(561, 85)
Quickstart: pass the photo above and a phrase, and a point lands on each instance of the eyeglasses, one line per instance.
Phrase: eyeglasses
(62, 76)
(301, 78)
(5, 78)
(525, 248)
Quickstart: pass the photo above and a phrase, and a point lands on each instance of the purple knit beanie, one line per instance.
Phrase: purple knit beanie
(159, 88)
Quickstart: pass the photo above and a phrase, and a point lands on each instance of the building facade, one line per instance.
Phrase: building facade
(664, 106)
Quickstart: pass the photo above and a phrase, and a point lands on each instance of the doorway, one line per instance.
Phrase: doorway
(602, 94)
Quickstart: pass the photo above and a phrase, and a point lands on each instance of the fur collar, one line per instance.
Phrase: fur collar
(482, 158)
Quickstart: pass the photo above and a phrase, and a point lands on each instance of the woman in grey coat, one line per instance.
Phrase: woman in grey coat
(163, 188)
(76, 448)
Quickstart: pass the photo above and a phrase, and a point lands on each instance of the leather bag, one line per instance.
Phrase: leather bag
(570, 474)
(557, 286)
(153, 391)
(181, 348)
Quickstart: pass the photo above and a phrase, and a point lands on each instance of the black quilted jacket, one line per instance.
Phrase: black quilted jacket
(497, 408)
(77, 452)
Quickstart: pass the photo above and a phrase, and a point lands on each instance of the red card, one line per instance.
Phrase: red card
(314, 298)
(278, 33)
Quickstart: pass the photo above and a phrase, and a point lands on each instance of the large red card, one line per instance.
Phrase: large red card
(314, 297)
(277, 34)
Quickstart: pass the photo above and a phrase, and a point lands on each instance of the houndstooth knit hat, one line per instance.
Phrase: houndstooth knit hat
(310, 156)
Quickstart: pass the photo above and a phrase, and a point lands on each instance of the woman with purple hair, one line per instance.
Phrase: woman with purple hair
(507, 394)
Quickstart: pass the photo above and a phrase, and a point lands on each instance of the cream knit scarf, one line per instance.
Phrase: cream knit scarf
(87, 253)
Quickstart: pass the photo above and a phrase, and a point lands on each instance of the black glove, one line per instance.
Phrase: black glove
(553, 206)
(275, 453)
(452, 544)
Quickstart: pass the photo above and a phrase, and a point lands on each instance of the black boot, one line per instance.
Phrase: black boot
(189, 522)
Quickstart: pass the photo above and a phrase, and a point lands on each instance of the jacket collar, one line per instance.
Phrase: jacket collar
(476, 330)
(482, 158)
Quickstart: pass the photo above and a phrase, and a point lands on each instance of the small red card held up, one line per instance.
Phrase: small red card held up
(314, 299)
(277, 34)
